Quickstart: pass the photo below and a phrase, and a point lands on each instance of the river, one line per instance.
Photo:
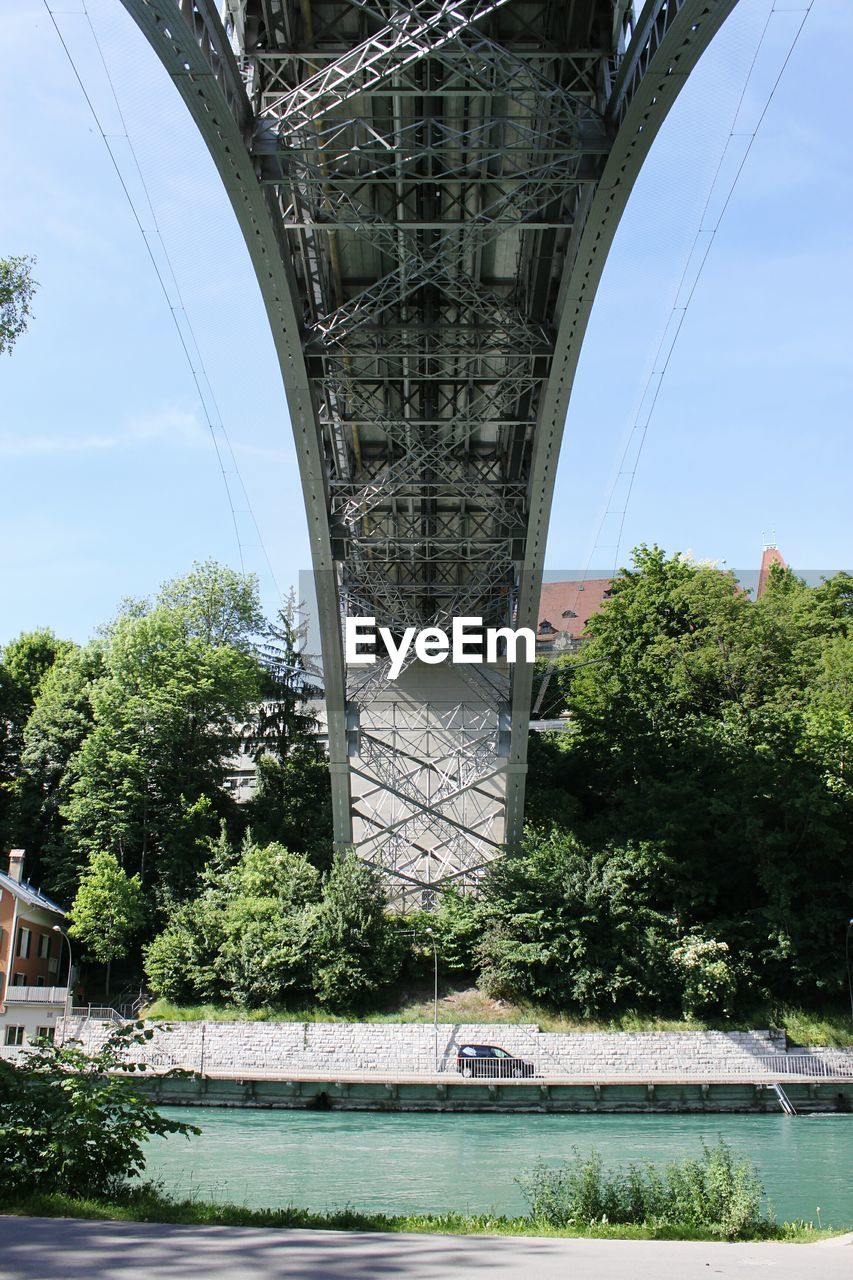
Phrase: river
(418, 1162)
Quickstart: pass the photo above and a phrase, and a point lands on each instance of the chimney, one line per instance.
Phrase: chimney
(16, 865)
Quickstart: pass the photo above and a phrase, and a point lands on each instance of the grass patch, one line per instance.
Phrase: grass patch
(148, 1203)
(826, 1027)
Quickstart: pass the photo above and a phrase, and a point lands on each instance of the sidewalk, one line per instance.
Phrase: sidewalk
(65, 1249)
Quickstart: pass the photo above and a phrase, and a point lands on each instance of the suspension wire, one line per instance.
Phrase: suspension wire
(696, 258)
(177, 309)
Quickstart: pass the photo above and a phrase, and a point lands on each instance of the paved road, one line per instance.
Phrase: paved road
(66, 1249)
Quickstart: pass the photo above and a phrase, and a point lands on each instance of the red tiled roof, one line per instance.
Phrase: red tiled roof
(582, 597)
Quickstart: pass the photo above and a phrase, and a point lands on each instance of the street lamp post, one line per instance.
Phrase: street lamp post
(434, 997)
(847, 958)
(57, 929)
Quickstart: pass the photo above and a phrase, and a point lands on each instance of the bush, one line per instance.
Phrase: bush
(458, 929)
(267, 930)
(167, 963)
(265, 957)
(708, 980)
(577, 928)
(715, 1194)
(355, 946)
(68, 1126)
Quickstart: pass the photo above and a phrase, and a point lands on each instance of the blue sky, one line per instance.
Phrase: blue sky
(111, 482)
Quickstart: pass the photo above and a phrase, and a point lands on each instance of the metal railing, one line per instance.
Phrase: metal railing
(824, 1064)
(36, 995)
(835, 1063)
(100, 1012)
(496, 1068)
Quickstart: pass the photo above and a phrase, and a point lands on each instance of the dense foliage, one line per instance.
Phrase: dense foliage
(108, 910)
(68, 1126)
(718, 732)
(688, 847)
(121, 747)
(715, 1195)
(267, 929)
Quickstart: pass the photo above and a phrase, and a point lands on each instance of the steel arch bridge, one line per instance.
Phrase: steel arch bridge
(428, 190)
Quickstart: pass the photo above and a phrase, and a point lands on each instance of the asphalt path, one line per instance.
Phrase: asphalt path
(68, 1249)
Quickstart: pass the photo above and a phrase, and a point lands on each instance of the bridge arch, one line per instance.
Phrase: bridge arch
(428, 190)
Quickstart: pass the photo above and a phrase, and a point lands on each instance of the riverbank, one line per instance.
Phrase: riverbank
(148, 1204)
(416, 1066)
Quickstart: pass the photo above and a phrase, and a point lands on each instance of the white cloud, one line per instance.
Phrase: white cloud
(45, 446)
(178, 426)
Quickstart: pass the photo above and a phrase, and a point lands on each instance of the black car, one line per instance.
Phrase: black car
(488, 1061)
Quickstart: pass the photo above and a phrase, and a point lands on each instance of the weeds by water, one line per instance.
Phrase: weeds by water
(148, 1203)
(715, 1195)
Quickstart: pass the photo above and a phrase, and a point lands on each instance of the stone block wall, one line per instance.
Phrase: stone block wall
(329, 1048)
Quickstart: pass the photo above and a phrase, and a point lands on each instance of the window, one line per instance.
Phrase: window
(569, 613)
(19, 980)
(44, 946)
(45, 1033)
(14, 1035)
(25, 937)
(40, 981)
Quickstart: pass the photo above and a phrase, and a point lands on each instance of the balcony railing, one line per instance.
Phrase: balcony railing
(36, 995)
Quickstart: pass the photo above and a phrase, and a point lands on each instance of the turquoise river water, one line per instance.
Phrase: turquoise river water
(417, 1162)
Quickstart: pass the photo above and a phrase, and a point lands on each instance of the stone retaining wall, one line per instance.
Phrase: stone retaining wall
(247, 1048)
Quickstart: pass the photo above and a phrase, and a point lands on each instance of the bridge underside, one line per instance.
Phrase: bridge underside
(429, 189)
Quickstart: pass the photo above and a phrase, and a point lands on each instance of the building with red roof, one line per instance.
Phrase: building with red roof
(565, 608)
(770, 556)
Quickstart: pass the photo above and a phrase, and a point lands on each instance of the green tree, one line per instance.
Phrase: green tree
(355, 947)
(60, 720)
(17, 289)
(244, 937)
(108, 911)
(290, 680)
(218, 606)
(293, 803)
(24, 664)
(148, 777)
(264, 929)
(76, 1123)
(264, 954)
(717, 730)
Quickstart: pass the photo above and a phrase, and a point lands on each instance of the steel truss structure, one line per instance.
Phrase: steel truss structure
(428, 190)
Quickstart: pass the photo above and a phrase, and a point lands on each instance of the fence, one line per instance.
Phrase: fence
(98, 1012)
(36, 995)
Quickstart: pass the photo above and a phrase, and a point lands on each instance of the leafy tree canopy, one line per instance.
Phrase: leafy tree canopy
(108, 910)
(17, 289)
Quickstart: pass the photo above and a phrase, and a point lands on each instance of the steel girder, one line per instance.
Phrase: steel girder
(428, 189)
